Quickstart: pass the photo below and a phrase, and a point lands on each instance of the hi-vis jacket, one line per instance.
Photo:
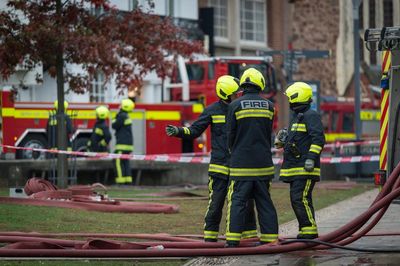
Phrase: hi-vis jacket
(307, 134)
(213, 115)
(100, 137)
(249, 124)
(123, 132)
(51, 129)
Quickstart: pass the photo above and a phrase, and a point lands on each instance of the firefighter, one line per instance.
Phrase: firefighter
(101, 135)
(124, 141)
(249, 129)
(218, 171)
(51, 128)
(302, 146)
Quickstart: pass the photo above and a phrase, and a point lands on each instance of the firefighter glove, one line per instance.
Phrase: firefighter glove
(171, 130)
(280, 138)
(309, 165)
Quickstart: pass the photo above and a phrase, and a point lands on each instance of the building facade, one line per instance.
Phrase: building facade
(183, 12)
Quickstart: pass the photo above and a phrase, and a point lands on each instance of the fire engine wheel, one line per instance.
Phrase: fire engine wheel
(81, 144)
(32, 141)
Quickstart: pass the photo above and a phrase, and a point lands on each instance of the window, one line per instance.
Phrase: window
(220, 17)
(97, 92)
(195, 72)
(253, 20)
(325, 120)
(334, 121)
(348, 122)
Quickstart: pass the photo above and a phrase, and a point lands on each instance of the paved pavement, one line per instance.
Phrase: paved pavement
(329, 219)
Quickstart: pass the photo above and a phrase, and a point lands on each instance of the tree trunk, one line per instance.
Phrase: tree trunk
(62, 162)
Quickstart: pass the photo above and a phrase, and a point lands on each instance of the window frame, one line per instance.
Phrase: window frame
(217, 4)
(254, 22)
(97, 93)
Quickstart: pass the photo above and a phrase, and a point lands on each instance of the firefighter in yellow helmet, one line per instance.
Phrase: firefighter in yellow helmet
(249, 129)
(51, 128)
(218, 171)
(122, 125)
(101, 135)
(302, 146)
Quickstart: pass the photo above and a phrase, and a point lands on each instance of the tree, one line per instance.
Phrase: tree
(93, 34)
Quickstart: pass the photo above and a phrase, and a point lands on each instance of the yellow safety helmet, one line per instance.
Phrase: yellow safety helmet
(226, 86)
(56, 105)
(127, 105)
(299, 92)
(102, 112)
(254, 77)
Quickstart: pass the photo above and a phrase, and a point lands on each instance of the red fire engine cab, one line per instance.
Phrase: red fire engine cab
(23, 124)
(338, 119)
(203, 74)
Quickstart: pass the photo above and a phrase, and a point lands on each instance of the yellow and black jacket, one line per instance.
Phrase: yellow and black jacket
(100, 137)
(249, 125)
(51, 130)
(305, 141)
(123, 132)
(213, 115)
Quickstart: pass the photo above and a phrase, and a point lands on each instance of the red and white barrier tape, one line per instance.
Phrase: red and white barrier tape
(340, 145)
(104, 155)
(181, 158)
(353, 143)
(347, 159)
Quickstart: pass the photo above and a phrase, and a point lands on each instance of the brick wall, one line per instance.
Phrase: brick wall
(315, 26)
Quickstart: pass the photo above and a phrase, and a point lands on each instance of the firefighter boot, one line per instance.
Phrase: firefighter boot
(128, 179)
(308, 232)
(120, 180)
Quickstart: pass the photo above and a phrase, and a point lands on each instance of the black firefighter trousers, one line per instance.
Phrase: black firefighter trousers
(302, 204)
(238, 194)
(218, 189)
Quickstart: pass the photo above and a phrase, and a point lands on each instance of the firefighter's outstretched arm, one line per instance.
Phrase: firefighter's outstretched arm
(192, 132)
(231, 126)
(316, 131)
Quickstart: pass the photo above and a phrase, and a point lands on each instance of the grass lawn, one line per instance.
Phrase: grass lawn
(188, 221)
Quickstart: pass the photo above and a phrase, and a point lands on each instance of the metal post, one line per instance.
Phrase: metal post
(290, 63)
(357, 92)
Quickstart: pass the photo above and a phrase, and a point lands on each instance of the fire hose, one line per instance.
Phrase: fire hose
(43, 193)
(171, 246)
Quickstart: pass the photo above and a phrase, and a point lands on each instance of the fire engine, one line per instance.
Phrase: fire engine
(23, 124)
(203, 74)
(338, 120)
